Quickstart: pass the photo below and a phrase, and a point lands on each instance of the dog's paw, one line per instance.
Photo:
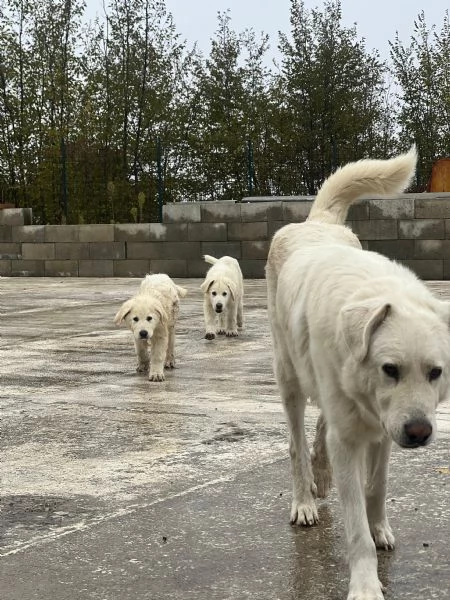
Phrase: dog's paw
(210, 335)
(156, 377)
(382, 535)
(142, 368)
(323, 481)
(170, 363)
(221, 332)
(366, 592)
(304, 514)
(232, 333)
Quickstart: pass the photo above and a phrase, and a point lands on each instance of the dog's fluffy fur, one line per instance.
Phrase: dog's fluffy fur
(151, 315)
(365, 339)
(223, 293)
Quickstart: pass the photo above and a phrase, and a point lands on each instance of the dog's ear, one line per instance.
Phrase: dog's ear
(359, 321)
(162, 315)
(232, 287)
(206, 285)
(123, 311)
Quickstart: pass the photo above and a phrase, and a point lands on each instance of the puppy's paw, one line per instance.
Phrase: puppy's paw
(221, 332)
(170, 363)
(232, 333)
(304, 514)
(210, 335)
(156, 377)
(142, 367)
(382, 535)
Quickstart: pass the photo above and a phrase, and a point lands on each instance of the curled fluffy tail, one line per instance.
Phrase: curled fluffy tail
(181, 291)
(365, 178)
(210, 259)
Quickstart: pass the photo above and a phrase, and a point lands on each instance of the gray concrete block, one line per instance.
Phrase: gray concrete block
(296, 212)
(222, 211)
(219, 249)
(359, 211)
(253, 269)
(29, 233)
(151, 232)
(248, 231)
(95, 268)
(96, 233)
(422, 229)
(273, 227)
(395, 249)
(10, 250)
(5, 233)
(5, 268)
(392, 208)
(107, 250)
(375, 230)
(197, 268)
(131, 268)
(15, 216)
(432, 208)
(207, 232)
(62, 233)
(181, 212)
(428, 249)
(38, 251)
(447, 227)
(426, 269)
(27, 268)
(71, 251)
(61, 268)
(255, 250)
(173, 268)
(163, 250)
(446, 274)
(261, 211)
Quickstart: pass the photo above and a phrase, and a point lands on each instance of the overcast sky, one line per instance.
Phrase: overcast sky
(377, 21)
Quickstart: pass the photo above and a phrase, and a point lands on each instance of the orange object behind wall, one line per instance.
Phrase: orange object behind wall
(440, 176)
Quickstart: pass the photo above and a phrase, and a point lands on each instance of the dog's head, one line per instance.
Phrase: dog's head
(400, 358)
(219, 291)
(142, 315)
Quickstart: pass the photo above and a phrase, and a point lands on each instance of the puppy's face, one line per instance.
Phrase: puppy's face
(219, 295)
(142, 316)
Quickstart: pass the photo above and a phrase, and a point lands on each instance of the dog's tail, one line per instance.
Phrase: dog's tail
(181, 291)
(210, 259)
(365, 178)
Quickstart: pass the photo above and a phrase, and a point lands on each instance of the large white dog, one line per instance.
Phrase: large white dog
(151, 315)
(223, 293)
(365, 339)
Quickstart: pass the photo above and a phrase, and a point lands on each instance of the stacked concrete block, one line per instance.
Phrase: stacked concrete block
(413, 229)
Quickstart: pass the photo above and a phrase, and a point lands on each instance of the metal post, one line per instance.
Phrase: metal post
(64, 180)
(250, 167)
(160, 179)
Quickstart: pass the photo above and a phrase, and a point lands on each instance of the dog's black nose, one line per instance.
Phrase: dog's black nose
(143, 334)
(219, 306)
(418, 431)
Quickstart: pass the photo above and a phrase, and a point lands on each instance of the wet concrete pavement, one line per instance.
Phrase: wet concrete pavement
(116, 488)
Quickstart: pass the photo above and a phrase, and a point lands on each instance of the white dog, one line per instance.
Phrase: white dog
(365, 339)
(223, 291)
(151, 315)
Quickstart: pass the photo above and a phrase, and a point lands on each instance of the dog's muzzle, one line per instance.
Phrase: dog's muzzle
(218, 308)
(143, 334)
(416, 433)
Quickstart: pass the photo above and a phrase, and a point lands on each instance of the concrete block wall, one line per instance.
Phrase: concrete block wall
(412, 228)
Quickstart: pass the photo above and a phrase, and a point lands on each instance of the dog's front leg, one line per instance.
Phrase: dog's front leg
(232, 330)
(240, 313)
(170, 357)
(377, 475)
(141, 347)
(348, 467)
(159, 353)
(319, 458)
(210, 319)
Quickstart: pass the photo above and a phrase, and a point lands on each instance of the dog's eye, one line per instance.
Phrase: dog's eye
(136, 319)
(391, 371)
(149, 318)
(435, 373)
(214, 293)
(224, 293)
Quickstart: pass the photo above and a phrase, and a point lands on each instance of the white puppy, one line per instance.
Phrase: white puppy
(151, 315)
(365, 339)
(223, 291)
